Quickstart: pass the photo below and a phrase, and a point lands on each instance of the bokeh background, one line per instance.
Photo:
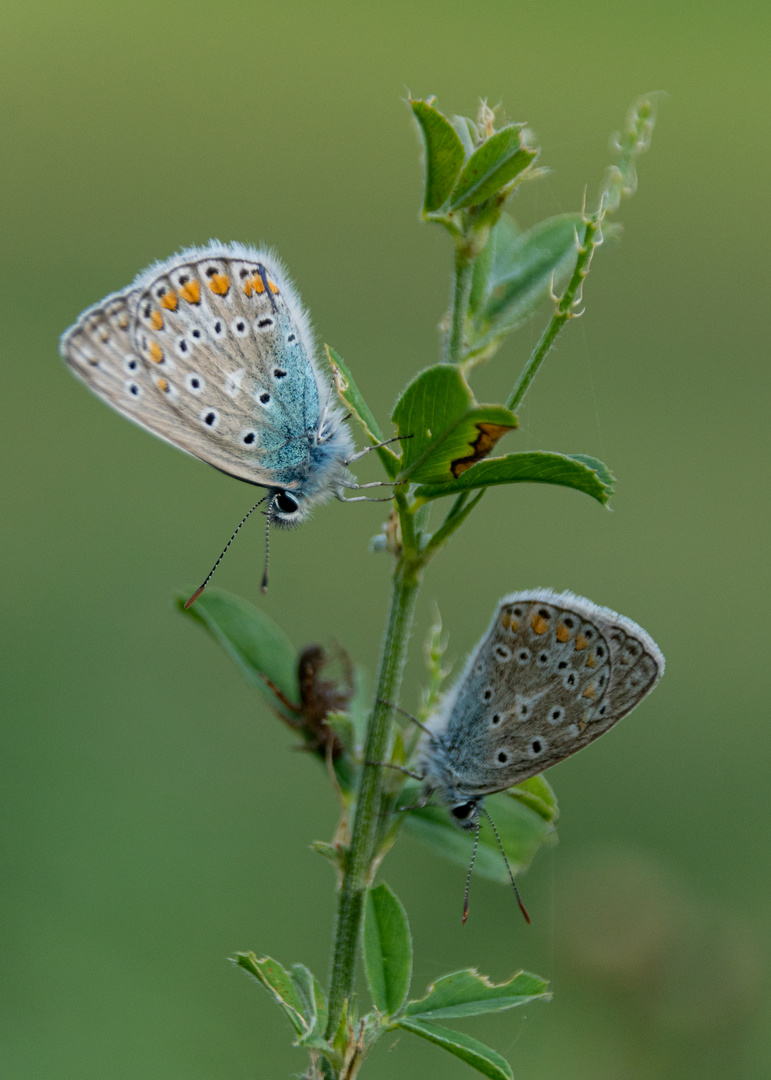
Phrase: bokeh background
(154, 817)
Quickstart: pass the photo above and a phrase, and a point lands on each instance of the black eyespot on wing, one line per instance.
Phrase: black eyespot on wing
(536, 746)
(488, 693)
(195, 333)
(502, 756)
(495, 719)
(544, 613)
(211, 271)
(249, 438)
(265, 398)
(210, 418)
(279, 373)
(569, 622)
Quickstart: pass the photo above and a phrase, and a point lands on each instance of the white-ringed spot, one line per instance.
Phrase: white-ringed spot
(263, 397)
(217, 329)
(210, 418)
(130, 363)
(240, 327)
(523, 657)
(263, 324)
(194, 383)
(556, 714)
(502, 653)
(248, 437)
(133, 389)
(536, 747)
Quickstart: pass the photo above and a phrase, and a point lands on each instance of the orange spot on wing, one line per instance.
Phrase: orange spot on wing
(219, 284)
(123, 322)
(505, 620)
(590, 693)
(170, 300)
(539, 624)
(191, 292)
(581, 724)
(590, 661)
(259, 284)
(563, 634)
(156, 352)
(581, 642)
(248, 288)
(163, 385)
(272, 286)
(156, 320)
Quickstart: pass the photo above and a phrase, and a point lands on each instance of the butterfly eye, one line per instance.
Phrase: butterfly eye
(463, 811)
(285, 503)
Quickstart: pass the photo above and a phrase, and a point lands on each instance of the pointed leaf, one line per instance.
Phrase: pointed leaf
(519, 274)
(467, 133)
(480, 1057)
(578, 471)
(491, 167)
(444, 154)
(449, 430)
(350, 395)
(315, 1006)
(387, 950)
(258, 646)
(278, 982)
(467, 993)
(524, 825)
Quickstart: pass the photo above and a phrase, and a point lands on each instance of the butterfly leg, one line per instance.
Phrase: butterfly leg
(375, 446)
(399, 768)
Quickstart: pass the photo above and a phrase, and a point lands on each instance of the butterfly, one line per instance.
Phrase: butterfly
(212, 351)
(553, 673)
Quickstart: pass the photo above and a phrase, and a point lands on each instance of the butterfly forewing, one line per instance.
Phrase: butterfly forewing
(205, 353)
(553, 673)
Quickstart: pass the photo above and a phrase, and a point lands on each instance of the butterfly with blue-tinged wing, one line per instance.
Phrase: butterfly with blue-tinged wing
(212, 351)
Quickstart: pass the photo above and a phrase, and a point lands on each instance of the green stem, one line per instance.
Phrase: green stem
(365, 826)
(452, 347)
(563, 311)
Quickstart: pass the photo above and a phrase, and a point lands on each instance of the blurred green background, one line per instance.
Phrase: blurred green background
(154, 817)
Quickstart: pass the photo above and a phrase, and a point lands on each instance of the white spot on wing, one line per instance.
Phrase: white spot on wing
(233, 382)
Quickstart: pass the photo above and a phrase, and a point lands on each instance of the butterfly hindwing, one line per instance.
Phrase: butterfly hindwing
(553, 673)
(207, 352)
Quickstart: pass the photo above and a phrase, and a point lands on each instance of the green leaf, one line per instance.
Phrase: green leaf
(444, 154)
(493, 165)
(315, 1006)
(578, 471)
(480, 1057)
(518, 273)
(467, 132)
(349, 394)
(387, 950)
(467, 993)
(257, 645)
(525, 817)
(278, 982)
(538, 795)
(449, 430)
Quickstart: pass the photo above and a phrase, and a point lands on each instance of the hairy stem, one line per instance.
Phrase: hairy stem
(452, 346)
(562, 312)
(365, 825)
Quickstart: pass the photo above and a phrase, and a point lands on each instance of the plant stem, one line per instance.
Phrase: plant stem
(563, 311)
(452, 347)
(365, 826)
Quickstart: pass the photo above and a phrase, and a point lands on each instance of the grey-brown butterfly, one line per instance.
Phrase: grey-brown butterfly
(552, 674)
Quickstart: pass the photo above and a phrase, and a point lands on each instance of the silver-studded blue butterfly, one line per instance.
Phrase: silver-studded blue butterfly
(212, 351)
